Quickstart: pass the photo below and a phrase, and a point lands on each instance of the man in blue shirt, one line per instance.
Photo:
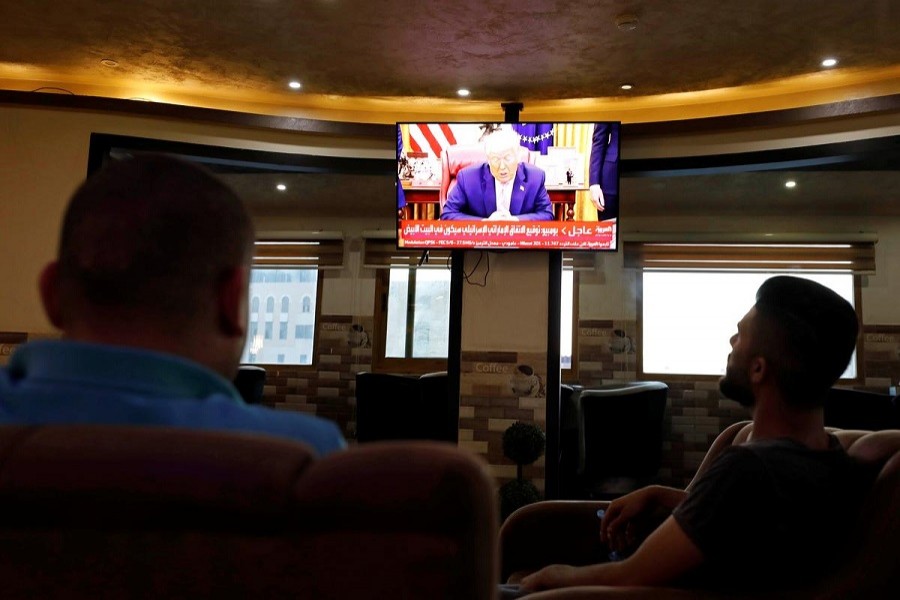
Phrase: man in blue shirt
(150, 290)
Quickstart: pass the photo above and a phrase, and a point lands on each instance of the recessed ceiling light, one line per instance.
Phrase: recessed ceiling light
(790, 183)
(829, 62)
(295, 85)
(280, 187)
(627, 86)
(109, 62)
(463, 92)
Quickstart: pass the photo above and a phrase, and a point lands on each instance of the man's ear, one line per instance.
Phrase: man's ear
(759, 369)
(48, 285)
(232, 301)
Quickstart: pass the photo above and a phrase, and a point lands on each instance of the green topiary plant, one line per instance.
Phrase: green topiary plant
(523, 443)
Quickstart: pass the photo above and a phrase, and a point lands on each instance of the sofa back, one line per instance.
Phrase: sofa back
(100, 511)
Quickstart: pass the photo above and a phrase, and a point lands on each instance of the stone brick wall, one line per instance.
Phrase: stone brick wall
(496, 390)
(328, 389)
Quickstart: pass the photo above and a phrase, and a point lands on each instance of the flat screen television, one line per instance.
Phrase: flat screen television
(533, 186)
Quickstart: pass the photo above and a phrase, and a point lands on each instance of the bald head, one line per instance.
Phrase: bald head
(152, 235)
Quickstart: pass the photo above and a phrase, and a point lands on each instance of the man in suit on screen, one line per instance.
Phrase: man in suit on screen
(603, 170)
(501, 189)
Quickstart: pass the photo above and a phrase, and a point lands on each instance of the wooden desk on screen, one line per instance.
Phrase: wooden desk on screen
(420, 197)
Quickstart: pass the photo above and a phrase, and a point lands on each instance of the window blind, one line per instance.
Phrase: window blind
(293, 254)
(856, 257)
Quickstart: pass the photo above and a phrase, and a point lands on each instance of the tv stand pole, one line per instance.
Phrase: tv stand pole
(511, 112)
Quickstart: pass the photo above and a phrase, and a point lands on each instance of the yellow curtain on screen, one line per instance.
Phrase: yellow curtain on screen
(578, 135)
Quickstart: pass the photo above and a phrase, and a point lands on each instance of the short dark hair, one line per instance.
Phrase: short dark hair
(808, 336)
(153, 233)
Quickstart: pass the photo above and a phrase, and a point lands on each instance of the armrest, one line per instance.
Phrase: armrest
(555, 531)
(615, 593)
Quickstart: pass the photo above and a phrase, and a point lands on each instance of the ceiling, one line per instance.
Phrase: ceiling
(386, 58)
(403, 53)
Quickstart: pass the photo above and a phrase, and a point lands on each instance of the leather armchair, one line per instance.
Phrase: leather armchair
(391, 406)
(567, 532)
(460, 156)
(620, 429)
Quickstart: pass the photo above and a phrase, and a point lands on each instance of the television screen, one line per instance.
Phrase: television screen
(536, 186)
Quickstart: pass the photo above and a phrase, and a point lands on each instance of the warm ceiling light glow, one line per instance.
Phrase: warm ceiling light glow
(829, 62)
(463, 92)
(280, 187)
(626, 86)
(295, 85)
(790, 183)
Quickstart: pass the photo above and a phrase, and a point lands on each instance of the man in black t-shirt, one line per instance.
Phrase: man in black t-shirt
(768, 513)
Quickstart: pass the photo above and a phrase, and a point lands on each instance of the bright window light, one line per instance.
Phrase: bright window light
(689, 318)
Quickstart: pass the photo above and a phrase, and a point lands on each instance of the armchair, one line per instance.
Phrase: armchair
(620, 429)
(391, 406)
(94, 512)
(567, 532)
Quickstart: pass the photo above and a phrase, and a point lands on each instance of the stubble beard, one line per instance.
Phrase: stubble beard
(736, 387)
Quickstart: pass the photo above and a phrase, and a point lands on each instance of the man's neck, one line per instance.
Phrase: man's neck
(775, 418)
(200, 349)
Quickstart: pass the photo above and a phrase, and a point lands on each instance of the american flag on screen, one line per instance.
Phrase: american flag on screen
(434, 137)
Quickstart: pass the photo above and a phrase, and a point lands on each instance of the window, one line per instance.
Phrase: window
(412, 315)
(306, 304)
(687, 317)
(418, 306)
(283, 288)
(254, 304)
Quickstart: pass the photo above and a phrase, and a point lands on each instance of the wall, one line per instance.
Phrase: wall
(43, 156)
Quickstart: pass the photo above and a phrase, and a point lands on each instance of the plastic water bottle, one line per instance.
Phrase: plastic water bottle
(613, 555)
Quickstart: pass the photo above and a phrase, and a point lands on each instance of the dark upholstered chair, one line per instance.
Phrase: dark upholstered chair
(854, 409)
(569, 441)
(620, 436)
(250, 382)
(128, 512)
(404, 407)
(868, 567)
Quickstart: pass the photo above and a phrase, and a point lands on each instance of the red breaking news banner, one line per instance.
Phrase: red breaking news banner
(536, 235)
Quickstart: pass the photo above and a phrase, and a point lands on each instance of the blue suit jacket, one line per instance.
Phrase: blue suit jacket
(604, 161)
(474, 196)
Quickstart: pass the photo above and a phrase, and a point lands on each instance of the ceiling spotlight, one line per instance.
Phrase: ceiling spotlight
(109, 62)
(463, 92)
(829, 62)
(295, 85)
(626, 86)
(627, 22)
(281, 187)
(790, 183)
